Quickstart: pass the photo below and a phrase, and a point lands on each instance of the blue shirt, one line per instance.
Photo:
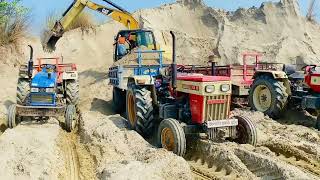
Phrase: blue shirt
(122, 50)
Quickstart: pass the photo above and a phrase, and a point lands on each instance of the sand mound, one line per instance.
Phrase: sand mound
(206, 31)
(30, 152)
(132, 156)
(229, 34)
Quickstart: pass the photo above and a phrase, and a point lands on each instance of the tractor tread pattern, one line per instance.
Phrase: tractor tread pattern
(69, 117)
(72, 92)
(278, 91)
(12, 118)
(144, 107)
(23, 90)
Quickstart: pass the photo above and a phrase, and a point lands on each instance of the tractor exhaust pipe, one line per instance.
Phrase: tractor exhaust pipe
(174, 64)
(30, 63)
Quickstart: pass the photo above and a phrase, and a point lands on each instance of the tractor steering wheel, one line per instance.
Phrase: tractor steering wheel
(49, 66)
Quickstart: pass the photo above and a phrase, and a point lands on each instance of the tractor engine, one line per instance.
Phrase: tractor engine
(202, 101)
(43, 87)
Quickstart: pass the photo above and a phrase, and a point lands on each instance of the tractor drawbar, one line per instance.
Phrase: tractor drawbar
(174, 63)
(30, 63)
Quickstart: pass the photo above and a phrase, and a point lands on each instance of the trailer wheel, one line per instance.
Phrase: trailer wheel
(172, 137)
(269, 96)
(23, 89)
(246, 131)
(140, 110)
(118, 100)
(70, 118)
(13, 119)
(72, 92)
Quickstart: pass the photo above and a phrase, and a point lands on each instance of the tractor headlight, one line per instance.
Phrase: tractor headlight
(209, 88)
(225, 87)
(49, 90)
(34, 90)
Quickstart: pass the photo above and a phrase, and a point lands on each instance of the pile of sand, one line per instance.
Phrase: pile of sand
(31, 152)
(208, 30)
(202, 31)
(132, 156)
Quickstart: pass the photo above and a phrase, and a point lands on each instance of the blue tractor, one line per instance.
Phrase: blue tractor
(46, 90)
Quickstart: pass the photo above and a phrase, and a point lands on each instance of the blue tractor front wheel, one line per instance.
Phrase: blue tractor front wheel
(70, 118)
(13, 119)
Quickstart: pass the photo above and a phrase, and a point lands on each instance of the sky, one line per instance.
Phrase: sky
(40, 9)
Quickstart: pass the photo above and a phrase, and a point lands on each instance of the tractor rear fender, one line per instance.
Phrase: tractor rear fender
(145, 81)
(70, 75)
(277, 75)
(142, 80)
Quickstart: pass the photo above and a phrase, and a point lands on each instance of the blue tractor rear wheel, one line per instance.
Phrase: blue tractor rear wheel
(23, 90)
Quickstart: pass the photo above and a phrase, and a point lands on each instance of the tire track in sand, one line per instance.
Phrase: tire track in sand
(70, 155)
(296, 157)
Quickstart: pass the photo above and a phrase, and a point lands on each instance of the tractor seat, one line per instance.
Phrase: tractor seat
(289, 69)
(292, 73)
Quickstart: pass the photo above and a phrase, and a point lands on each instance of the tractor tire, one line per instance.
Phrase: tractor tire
(70, 118)
(139, 110)
(118, 100)
(246, 131)
(12, 120)
(172, 137)
(72, 92)
(318, 123)
(269, 96)
(23, 90)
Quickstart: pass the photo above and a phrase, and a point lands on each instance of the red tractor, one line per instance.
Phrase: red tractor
(277, 87)
(178, 105)
(240, 75)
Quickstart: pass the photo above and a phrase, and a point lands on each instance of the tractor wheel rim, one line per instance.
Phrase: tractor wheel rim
(131, 110)
(262, 98)
(167, 139)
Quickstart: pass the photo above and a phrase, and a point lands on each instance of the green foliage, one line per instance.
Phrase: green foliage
(13, 21)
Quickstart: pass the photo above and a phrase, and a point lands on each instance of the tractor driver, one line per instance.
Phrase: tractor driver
(122, 49)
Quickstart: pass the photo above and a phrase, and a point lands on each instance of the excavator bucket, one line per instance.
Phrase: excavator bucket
(51, 38)
(49, 42)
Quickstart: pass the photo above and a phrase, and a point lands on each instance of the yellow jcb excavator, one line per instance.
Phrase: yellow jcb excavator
(118, 14)
(133, 37)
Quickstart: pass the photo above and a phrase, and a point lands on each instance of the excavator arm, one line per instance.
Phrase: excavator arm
(117, 14)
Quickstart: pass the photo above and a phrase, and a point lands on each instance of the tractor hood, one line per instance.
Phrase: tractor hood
(44, 80)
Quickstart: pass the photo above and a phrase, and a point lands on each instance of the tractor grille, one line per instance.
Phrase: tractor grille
(42, 98)
(217, 107)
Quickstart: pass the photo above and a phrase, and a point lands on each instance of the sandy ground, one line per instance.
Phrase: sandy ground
(105, 149)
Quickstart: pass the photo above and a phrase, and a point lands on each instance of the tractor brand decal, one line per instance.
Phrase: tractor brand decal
(104, 11)
(216, 101)
(150, 71)
(190, 87)
(315, 80)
